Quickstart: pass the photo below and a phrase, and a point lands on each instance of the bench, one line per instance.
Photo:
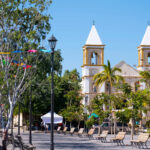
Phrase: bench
(90, 133)
(10, 141)
(65, 130)
(72, 131)
(23, 145)
(58, 129)
(80, 132)
(103, 136)
(141, 140)
(119, 138)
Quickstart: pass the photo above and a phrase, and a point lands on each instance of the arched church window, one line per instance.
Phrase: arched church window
(94, 88)
(86, 100)
(148, 55)
(94, 57)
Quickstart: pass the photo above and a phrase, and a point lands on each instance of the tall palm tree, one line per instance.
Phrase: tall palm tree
(108, 75)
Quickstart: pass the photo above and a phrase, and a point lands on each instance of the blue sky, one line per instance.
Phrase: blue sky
(121, 25)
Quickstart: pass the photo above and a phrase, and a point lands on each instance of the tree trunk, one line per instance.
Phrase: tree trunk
(5, 134)
(111, 124)
(132, 129)
(9, 117)
(70, 125)
(122, 126)
(78, 125)
(12, 124)
(114, 126)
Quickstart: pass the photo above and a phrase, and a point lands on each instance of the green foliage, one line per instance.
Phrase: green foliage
(145, 77)
(73, 109)
(148, 124)
(125, 88)
(136, 105)
(123, 116)
(92, 121)
(23, 22)
(97, 105)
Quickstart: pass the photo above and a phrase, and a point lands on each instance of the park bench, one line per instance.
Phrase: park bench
(11, 142)
(90, 133)
(141, 140)
(119, 138)
(80, 132)
(102, 136)
(72, 131)
(58, 129)
(24, 146)
(65, 130)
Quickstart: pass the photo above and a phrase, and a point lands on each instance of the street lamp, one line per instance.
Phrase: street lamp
(52, 42)
(19, 118)
(30, 118)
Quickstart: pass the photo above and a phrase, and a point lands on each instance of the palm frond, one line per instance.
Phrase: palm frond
(115, 69)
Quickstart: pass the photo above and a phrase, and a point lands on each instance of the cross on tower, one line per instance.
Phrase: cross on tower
(93, 22)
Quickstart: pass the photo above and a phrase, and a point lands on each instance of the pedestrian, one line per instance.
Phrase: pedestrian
(46, 126)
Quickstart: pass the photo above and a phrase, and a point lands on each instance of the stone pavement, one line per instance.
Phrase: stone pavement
(66, 142)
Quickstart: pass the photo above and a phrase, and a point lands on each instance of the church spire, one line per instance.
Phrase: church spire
(146, 38)
(144, 52)
(93, 38)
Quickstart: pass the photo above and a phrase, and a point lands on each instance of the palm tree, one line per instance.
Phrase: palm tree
(145, 77)
(108, 75)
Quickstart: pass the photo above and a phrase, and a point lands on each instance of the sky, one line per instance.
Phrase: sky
(121, 25)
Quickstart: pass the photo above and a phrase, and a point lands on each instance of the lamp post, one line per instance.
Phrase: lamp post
(30, 118)
(52, 42)
(19, 119)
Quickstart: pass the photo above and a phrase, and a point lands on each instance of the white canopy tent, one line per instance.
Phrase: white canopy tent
(47, 118)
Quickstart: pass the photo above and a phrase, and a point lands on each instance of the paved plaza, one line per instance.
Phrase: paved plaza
(67, 142)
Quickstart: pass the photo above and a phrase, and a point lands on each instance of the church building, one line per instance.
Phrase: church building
(93, 61)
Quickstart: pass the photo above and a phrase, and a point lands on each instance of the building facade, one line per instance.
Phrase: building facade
(93, 61)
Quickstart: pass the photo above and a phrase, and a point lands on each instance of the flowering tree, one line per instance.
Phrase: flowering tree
(23, 24)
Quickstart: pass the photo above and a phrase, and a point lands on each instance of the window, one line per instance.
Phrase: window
(86, 100)
(94, 89)
(94, 58)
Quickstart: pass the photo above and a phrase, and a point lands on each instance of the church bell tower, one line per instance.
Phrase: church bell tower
(144, 52)
(93, 61)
